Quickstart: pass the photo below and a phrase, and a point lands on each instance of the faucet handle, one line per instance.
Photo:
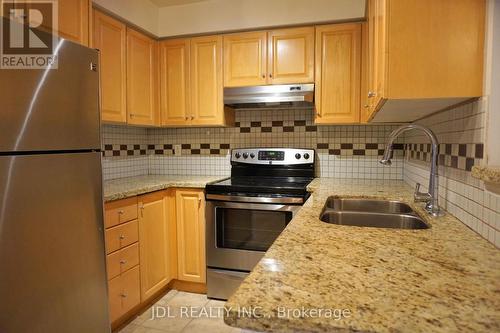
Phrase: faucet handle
(419, 196)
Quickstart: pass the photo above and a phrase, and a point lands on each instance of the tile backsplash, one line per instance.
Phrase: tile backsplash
(350, 151)
(461, 133)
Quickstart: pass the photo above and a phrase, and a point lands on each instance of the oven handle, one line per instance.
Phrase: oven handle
(236, 198)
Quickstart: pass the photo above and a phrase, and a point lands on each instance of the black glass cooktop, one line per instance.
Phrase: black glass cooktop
(249, 185)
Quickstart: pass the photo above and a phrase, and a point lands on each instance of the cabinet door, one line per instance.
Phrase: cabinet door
(245, 59)
(206, 81)
(142, 77)
(191, 235)
(124, 293)
(73, 20)
(291, 56)
(154, 243)
(338, 55)
(365, 111)
(174, 82)
(379, 52)
(110, 38)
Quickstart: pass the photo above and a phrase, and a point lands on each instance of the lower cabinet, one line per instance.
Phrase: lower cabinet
(191, 235)
(155, 237)
(153, 240)
(124, 293)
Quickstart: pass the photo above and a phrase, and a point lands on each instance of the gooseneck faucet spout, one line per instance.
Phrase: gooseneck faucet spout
(432, 196)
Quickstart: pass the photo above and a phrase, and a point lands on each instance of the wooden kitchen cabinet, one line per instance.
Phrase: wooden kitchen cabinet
(245, 59)
(154, 240)
(291, 56)
(191, 235)
(142, 79)
(175, 82)
(74, 20)
(424, 56)
(124, 293)
(338, 73)
(121, 236)
(191, 83)
(109, 36)
(207, 107)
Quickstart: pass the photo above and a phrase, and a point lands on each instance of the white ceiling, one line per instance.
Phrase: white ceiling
(166, 3)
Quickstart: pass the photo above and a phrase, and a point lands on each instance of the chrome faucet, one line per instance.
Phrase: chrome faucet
(432, 196)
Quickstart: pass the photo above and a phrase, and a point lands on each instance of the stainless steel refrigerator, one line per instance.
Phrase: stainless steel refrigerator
(52, 261)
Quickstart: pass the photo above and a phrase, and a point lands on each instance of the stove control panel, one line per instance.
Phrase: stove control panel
(274, 156)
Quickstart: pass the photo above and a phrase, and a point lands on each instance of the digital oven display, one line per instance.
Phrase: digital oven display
(270, 155)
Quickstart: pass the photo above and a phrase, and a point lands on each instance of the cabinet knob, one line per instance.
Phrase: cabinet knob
(270, 75)
(371, 94)
(366, 106)
(121, 237)
(123, 295)
(120, 212)
(192, 117)
(263, 76)
(187, 118)
(123, 261)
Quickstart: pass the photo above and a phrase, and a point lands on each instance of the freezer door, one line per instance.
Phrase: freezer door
(53, 109)
(52, 261)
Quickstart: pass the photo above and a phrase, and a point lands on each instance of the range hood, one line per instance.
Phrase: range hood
(271, 96)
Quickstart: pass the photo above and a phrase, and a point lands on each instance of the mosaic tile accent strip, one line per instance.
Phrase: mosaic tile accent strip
(122, 150)
(275, 126)
(358, 149)
(461, 156)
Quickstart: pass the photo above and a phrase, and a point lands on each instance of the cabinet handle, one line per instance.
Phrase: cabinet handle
(271, 75)
(121, 237)
(192, 117)
(366, 106)
(123, 295)
(263, 76)
(142, 210)
(123, 262)
(371, 94)
(120, 212)
(187, 118)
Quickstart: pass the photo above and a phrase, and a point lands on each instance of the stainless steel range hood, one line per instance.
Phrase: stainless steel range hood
(272, 96)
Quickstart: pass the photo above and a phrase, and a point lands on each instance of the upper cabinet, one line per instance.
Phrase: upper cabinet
(269, 57)
(142, 79)
(174, 82)
(74, 17)
(110, 38)
(207, 107)
(245, 59)
(191, 83)
(291, 56)
(424, 55)
(338, 57)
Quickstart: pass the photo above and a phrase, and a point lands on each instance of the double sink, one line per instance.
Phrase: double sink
(371, 213)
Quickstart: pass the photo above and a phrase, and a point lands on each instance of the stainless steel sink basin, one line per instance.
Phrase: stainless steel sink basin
(378, 220)
(371, 213)
(368, 205)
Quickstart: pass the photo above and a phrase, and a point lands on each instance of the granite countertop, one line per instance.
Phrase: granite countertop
(442, 279)
(122, 188)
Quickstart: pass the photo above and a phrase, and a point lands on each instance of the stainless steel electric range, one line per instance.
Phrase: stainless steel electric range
(248, 211)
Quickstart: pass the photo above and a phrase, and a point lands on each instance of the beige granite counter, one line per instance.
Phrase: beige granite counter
(442, 279)
(128, 187)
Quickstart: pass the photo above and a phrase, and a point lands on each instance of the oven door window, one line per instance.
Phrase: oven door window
(244, 229)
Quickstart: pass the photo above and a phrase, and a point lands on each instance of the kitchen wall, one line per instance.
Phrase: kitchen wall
(342, 151)
(461, 133)
(207, 16)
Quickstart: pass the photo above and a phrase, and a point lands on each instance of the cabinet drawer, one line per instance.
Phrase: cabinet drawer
(122, 260)
(122, 235)
(124, 293)
(120, 211)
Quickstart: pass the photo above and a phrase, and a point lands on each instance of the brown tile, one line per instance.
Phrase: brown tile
(277, 123)
(322, 146)
(299, 123)
(346, 145)
(311, 128)
(334, 152)
(479, 150)
(288, 129)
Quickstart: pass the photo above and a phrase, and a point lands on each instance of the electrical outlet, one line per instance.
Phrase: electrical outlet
(177, 150)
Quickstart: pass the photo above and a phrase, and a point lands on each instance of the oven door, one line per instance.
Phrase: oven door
(238, 234)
